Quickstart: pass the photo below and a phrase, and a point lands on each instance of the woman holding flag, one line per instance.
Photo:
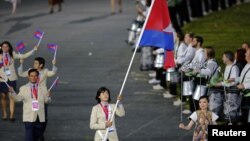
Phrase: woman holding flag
(8, 74)
(101, 115)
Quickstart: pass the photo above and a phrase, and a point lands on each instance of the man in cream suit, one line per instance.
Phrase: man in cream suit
(100, 118)
(44, 73)
(34, 97)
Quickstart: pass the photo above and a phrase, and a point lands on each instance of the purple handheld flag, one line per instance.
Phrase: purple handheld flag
(20, 46)
(38, 34)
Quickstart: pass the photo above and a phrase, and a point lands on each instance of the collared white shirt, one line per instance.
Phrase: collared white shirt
(179, 50)
(187, 55)
(104, 103)
(231, 72)
(198, 60)
(211, 66)
(245, 72)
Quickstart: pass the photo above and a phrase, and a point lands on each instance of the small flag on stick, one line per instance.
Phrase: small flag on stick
(39, 35)
(53, 48)
(20, 46)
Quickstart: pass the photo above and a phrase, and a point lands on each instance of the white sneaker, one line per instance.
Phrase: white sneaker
(178, 103)
(158, 87)
(187, 112)
(154, 81)
(168, 95)
(193, 19)
(205, 13)
(166, 92)
(152, 74)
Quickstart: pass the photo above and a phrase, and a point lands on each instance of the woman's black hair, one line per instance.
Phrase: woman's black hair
(241, 55)
(10, 48)
(101, 90)
(204, 97)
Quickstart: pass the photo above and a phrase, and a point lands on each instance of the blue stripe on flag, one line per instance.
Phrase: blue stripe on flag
(157, 39)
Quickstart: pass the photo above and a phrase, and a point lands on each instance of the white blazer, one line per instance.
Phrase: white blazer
(98, 122)
(11, 66)
(24, 95)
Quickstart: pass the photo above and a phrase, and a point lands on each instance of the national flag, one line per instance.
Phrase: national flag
(169, 61)
(20, 46)
(158, 31)
(38, 34)
(52, 47)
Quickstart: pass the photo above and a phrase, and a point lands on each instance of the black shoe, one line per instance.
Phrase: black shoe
(137, 51)
(51, 12)
(4, 119)
(42, 139)
(12, 119)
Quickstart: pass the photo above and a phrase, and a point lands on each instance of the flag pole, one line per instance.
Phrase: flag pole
(40, 40)
(53, 84)
(18, 50)
(7, 84)
(55, 53)
(128, 70)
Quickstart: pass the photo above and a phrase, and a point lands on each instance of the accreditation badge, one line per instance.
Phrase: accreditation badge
(35, 105)
(111, 129)
(7, 71)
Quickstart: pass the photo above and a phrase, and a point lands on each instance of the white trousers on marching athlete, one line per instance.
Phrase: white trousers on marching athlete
(112, 136)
